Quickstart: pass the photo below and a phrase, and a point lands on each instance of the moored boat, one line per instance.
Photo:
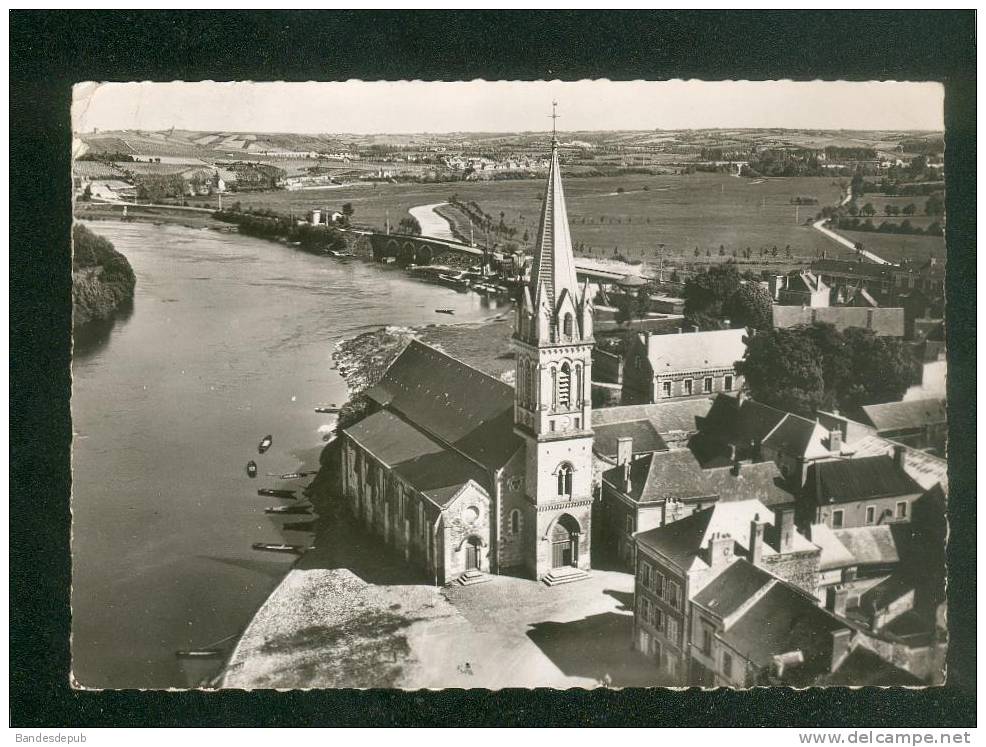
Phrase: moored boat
(292, 510)
(281, 547)
(205, 653)
(251, 468)
(265, 443)
(445, 311)
(328, 409)
(274, 493)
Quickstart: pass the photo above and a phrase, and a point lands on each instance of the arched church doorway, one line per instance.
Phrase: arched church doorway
(474, 546)
(565, 542)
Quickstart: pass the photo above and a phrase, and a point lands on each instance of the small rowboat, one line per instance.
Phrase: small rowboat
(288, 510)
(328, 409)
(444, 311)
(205, 653)
(294, 475)
(251, 468)
(281, 547)
(265, 443)
(272, 493)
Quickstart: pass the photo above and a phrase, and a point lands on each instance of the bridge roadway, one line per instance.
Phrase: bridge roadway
(392, 244)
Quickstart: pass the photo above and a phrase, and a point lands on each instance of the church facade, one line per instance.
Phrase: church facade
(466, 475)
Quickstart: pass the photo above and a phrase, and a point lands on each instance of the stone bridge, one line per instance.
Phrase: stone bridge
(422, 250)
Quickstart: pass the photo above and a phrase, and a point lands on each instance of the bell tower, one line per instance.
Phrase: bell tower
(552, 402)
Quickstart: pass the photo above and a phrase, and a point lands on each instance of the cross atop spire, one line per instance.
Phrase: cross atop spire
(554, 117)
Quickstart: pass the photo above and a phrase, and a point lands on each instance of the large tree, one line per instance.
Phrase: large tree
(881, 369)
(706, 292)
(749, 306)
(782, 368)
(804, 369)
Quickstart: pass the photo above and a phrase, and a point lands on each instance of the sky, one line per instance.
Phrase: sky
(359, 107)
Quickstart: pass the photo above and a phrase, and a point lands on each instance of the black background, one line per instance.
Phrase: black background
(51, 50)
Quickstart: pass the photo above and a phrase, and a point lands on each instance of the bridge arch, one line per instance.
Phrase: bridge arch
(406, 254)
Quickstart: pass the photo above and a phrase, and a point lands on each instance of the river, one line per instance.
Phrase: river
(229, 339)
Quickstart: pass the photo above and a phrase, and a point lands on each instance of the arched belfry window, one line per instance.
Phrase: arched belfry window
(578, 385)
(565, 480)
(565, 386)
(554, 386)
(567, 326)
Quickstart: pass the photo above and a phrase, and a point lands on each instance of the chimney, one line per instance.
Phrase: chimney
(835, 441)
(624, 450)
(899, 451)
(756, 540)
(841, 640)
(835, 599)
(720, 550)
(784, 528)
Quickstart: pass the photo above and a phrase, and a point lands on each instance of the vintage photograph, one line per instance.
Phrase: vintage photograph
(508, 384)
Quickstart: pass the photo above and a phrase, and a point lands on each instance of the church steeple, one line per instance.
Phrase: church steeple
(553, 305)
(553, 270)
(553, 395)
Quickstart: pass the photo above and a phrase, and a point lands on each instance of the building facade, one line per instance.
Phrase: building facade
(676, 366)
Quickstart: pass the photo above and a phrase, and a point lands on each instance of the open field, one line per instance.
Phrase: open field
(880, 201)
(680, 212)
(895, 247)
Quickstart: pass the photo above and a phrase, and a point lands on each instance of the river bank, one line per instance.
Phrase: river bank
(102, 279)
(100, 211)
(230, 338)
(343, 601)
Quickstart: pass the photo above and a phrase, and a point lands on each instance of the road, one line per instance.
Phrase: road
(433, 226)
(819, 225)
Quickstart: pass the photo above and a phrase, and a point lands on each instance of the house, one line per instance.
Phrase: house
(695, 364)
(676, 562)
(886, 321)
(836, 564)
(858, 492)
(799, 288)
(657, 488)
(112, 190)
(749, 628)
(927, 470)
(920, 423)
(675, 421)
(745, 429)
(467, 475)
(854, 296)
(878, 279)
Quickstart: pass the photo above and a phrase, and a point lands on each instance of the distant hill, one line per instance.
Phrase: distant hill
(215, 145)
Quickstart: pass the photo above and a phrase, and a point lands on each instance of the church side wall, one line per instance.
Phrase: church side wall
(512, 486)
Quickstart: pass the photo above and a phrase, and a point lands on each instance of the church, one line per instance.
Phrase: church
(468, 476)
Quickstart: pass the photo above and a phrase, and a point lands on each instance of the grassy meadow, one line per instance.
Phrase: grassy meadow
(680, 212)
(895, 247)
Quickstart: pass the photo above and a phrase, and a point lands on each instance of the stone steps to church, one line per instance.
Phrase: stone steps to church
(470, 578)
(558, 576)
